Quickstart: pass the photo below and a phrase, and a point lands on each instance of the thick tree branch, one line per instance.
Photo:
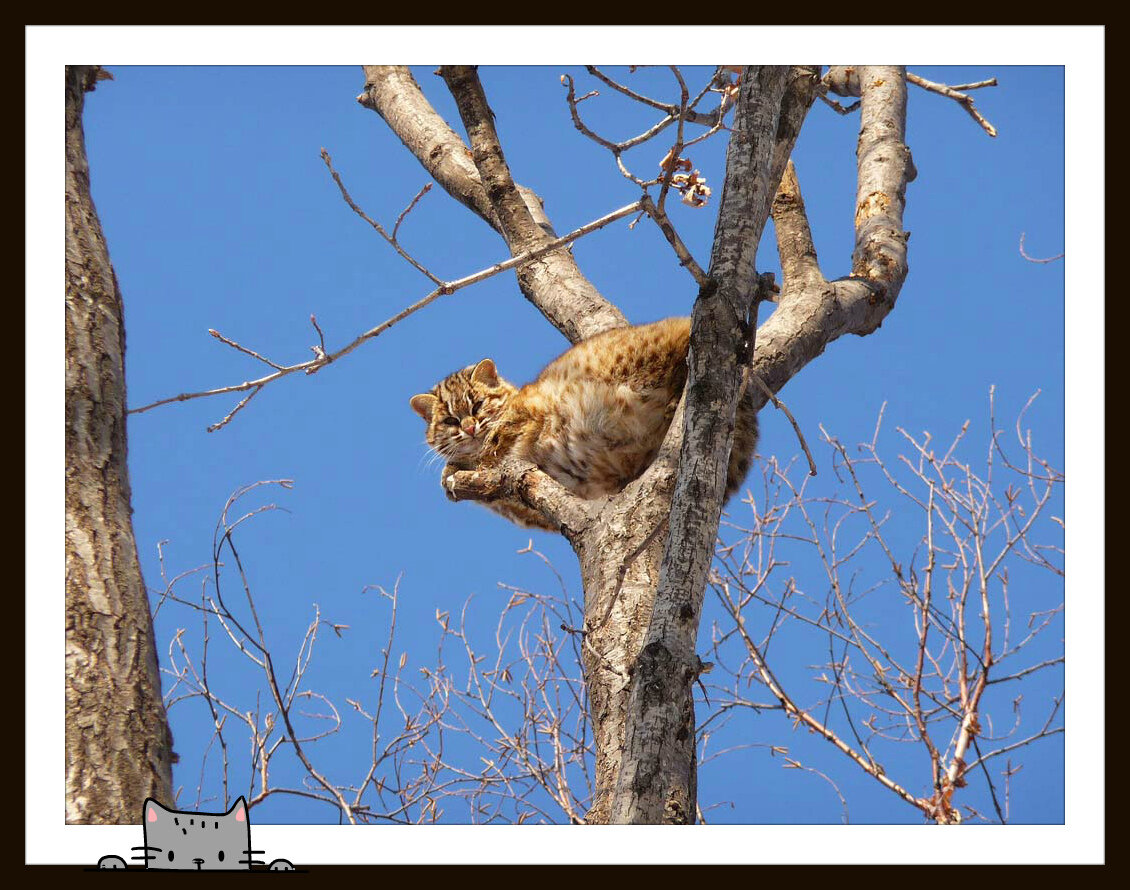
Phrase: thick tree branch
(657, 775)
(813, 312)
(885, 168)
(515, 222)
(795, 246)
(555, 284)
(515, 478)
(393, 93)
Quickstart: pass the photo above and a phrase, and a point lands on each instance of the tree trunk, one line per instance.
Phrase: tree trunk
(658, 775)
(118, 744)
(644, 553)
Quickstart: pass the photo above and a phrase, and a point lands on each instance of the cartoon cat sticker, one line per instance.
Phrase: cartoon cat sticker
(191, 841)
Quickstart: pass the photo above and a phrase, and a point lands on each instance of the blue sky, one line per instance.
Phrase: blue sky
(220, 214)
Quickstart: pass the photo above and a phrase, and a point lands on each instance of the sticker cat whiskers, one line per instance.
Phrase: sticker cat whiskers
(192, 841)
(594, 419)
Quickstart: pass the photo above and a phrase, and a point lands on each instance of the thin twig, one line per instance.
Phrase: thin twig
(396, 228)
(777, 403)
(954, 93)
(242, 404)
(708, 119)
(1032, 259)
(681, 250)
(391, 239)
(836, 106)
(444, 289)
(319, 350)
(267, 361)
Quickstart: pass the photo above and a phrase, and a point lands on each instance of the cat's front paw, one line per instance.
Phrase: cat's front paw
(447, 480)
(111, 861)
(479, 484)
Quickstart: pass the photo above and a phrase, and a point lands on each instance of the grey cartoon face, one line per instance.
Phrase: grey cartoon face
(196, 841)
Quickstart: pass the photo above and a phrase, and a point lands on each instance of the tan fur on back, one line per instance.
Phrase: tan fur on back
(593, 419)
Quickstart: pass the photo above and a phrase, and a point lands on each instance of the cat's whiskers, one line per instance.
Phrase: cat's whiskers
(430, 457)
(441, 453)
(426, 459)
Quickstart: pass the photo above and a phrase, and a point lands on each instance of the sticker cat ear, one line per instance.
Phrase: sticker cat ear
(424, 403)
(485, 372)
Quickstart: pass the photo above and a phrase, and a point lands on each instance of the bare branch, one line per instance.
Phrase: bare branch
(837, 107)
(1032, 259)
(617, 148)
(681, 251)
(794, 237)
(391, 239)
(781, 406)
(243, 349)
(521, 479)
(242, 403)
(445, 289)
(708, 119)
(958, 96)
(559, 290)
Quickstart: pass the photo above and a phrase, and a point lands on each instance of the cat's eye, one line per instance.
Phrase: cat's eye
(451, 421)
(476, 406)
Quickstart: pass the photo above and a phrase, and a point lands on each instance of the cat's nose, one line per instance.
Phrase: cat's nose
(468, 425)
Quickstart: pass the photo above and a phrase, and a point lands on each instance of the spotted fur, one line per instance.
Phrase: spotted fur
(593, 419)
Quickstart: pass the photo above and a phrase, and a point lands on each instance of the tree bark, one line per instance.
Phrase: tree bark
(657, 778)
(118, 744)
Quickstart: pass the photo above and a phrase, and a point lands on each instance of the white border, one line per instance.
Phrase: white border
(1081, 49)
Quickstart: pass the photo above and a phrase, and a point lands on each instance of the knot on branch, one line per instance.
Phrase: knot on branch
(708, 289)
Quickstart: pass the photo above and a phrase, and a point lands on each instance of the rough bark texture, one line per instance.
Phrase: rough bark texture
(118, 745)
(657, 779)
(812, 311)
(639, 644)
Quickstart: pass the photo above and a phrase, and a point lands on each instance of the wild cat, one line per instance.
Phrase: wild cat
(192, 841)
(593, 419)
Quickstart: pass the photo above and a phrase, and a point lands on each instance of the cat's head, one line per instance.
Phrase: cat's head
(461, 410)
(176, 839)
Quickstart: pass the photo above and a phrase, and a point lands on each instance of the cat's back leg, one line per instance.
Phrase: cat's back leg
(519, 513)
(746, 434)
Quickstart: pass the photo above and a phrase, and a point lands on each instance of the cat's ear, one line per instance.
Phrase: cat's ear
(239, 809)
(424, 404)
(485, 372)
